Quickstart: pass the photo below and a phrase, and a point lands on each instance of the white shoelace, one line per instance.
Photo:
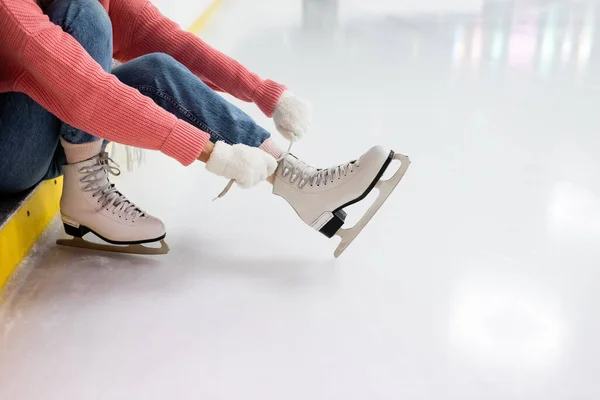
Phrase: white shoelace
(317, 177)
(96, 177)
(308, 173)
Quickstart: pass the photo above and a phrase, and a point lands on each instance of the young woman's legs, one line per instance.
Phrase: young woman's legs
(29, 143)
(173, 87)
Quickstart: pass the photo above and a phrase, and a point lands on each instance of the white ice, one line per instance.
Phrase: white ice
(478, 279)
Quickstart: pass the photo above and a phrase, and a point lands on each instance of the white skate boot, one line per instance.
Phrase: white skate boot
(319, 196)
(90, 203)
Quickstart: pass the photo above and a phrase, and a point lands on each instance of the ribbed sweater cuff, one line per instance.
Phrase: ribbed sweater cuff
(267, 95)
(185, 143)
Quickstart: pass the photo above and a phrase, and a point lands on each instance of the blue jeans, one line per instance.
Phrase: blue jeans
(30, 149)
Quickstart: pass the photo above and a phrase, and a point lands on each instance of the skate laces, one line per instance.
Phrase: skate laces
(96, 177)
(306, 172)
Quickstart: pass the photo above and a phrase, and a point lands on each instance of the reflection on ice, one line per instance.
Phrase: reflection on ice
(505, 325)
(574, 211)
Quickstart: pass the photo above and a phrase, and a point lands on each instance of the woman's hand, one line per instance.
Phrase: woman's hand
(246, 165)
(292, 116)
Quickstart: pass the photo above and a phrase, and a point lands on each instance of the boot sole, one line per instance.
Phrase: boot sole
(83, 230)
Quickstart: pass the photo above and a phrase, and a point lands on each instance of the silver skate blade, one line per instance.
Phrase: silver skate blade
(127, 249)
(385, 189)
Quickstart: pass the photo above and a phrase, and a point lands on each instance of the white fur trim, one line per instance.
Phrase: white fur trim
(246, 165)
(292, 116)
(220, 156)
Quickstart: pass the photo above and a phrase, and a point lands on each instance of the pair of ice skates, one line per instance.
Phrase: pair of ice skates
(90, 203)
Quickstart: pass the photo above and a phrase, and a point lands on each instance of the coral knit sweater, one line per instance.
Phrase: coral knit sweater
(39, 59)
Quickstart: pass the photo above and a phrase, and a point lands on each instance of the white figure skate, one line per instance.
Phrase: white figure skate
(319, 196)
(90, 203)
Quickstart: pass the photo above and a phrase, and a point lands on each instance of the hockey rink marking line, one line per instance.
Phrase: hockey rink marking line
(25, 226)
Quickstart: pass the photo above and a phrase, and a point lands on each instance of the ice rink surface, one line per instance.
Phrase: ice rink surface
(477, 280)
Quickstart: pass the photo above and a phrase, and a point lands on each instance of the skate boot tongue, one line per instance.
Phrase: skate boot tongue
(95, 173)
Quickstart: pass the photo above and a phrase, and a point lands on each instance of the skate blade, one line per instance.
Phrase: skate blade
(385, 189)
(127, 249)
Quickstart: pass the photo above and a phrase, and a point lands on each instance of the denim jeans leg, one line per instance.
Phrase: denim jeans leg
(173, 87)
(29, 143)
(88, 22)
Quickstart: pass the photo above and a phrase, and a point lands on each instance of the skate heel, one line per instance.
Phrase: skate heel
(72, 227)
(334, 224)
(75, 231)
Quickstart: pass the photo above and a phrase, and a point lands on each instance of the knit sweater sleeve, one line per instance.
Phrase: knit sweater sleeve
(60, 75)
(154, 33)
